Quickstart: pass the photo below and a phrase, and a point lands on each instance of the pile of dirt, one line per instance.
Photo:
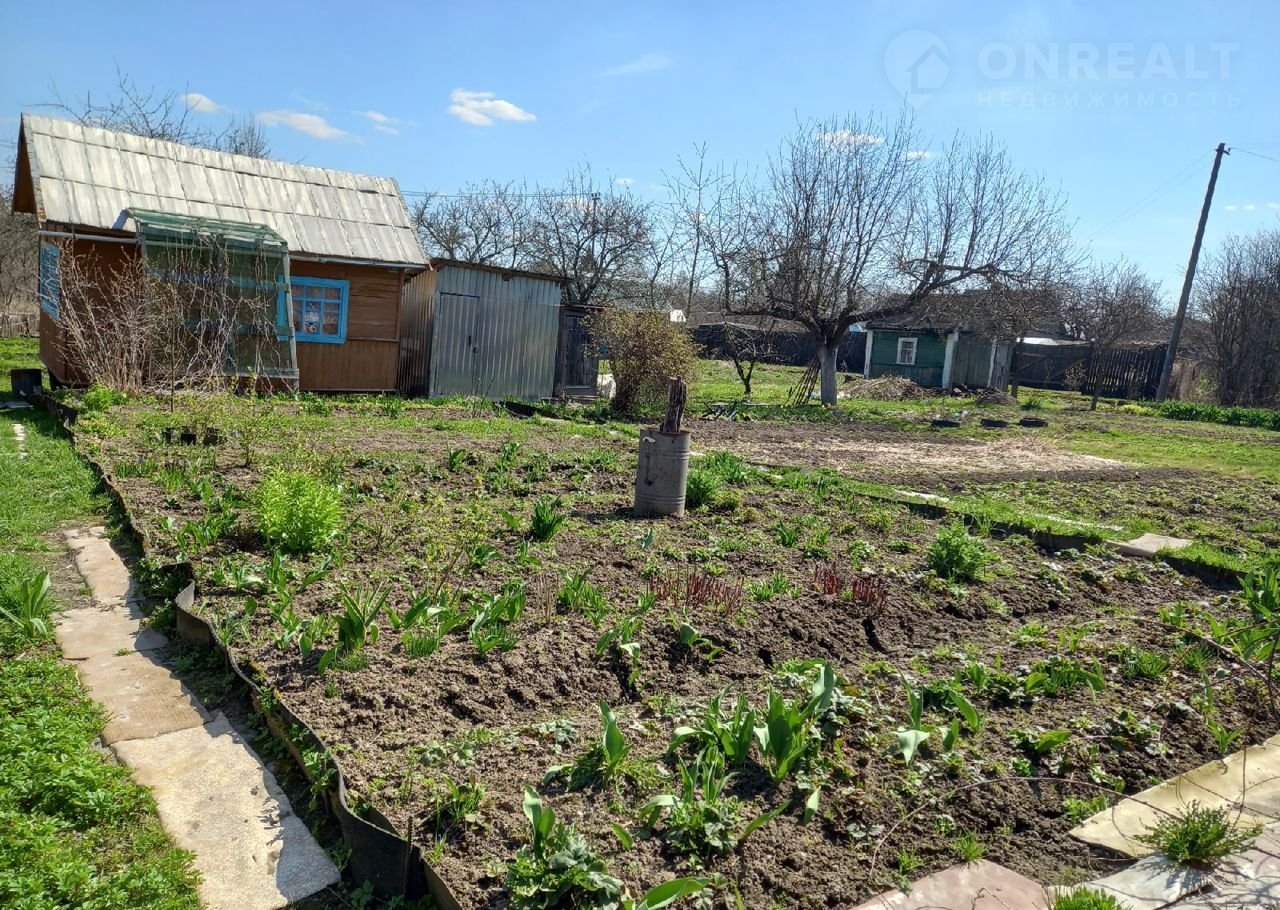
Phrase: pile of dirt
(885, 388)
(994, 396)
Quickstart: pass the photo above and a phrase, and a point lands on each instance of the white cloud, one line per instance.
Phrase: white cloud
(312, 125)
(1250, 207)
(381, 122)
(310, 103)
(482, 108)
(1273, 205)
(625, 181)
(918, 154)
(850, 139)
(645, 63)
(1230, 208)
(202, 103)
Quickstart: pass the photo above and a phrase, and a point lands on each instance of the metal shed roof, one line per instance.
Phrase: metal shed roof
(90, 177)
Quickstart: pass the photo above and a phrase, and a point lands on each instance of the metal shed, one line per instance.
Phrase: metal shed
(480, 330)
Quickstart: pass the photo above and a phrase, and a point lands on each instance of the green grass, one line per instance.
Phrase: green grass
(1221, 450)
(16, 354)
(75, 830)
(718, 381)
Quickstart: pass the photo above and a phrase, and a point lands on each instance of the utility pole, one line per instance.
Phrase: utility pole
(1166, 372)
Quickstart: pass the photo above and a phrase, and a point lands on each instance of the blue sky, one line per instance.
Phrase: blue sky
(1120, 104)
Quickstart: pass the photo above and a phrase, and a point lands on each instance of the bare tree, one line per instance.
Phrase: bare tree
(162, 115)
(486, 223)
(1112, 304)
(590, 236)
(19, 246)
(827, 226)
(1238, 297)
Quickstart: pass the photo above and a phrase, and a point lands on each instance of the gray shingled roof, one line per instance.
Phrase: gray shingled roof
(89, 177)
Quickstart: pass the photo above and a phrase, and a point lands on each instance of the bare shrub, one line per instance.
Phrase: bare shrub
(645, 350)
(186, 324)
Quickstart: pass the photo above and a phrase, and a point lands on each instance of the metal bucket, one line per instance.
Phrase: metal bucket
(661, 473)
(26, 382)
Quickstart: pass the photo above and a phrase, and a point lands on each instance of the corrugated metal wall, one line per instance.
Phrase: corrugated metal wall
(412, 373)
(492, 335)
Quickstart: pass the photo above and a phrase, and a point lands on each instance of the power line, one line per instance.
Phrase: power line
(1155, 195)
(1237, 148)
(595, 196)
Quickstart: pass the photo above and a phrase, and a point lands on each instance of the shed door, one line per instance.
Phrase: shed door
(581, 362)
(455, 361)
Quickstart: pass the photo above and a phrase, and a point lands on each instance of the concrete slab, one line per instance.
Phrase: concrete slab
(1151, 883)
(102, 567)
(15, 405)
(95, 632)
(20, 438)
(1249, 881)
(142, 698)
(971, 886)
(1148, 545)
(217, 800)
(1248, 780)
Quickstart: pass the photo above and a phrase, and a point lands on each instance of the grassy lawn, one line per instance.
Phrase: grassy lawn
(16, 353)
(75, 831)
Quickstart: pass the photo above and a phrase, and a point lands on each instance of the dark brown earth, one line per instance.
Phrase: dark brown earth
(403, 726)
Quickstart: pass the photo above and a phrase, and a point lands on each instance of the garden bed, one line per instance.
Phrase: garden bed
(437, 505)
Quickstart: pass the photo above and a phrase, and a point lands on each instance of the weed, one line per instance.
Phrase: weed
(546, 519)
(480, 556)
(1077, 810)
(1061, 675)
(25, 608)
(576, 593)
(1225, 738)
(1138, 663)
(956, 555)
(1199, 836)
(297, 512)
(604, 762)
(557, 868)
(1086, 899)
(786, 534)
(701, 820)
(969, 848)
(777, 585)
(701, 487)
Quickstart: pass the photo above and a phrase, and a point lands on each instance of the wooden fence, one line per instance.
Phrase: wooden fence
(17, 325)
(1122, 373)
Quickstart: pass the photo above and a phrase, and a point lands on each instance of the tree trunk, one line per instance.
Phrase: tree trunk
(828, 350)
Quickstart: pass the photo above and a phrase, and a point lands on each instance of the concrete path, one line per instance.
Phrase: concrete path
(20, 439)
(213, 794)
(980, 885)
(1247, 781)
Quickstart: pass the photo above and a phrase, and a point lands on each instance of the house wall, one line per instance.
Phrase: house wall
(931, 350)
(367, 360)
(97, 261)
(972, 364)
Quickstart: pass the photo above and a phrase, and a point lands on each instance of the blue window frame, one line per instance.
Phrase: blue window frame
(49, 285)
(319, 309)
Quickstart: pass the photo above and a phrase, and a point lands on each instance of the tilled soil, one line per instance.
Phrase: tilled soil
(404, 727)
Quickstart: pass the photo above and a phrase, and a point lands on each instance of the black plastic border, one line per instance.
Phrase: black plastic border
(378, 853)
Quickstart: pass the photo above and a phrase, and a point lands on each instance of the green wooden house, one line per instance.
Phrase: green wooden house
(935, 355)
